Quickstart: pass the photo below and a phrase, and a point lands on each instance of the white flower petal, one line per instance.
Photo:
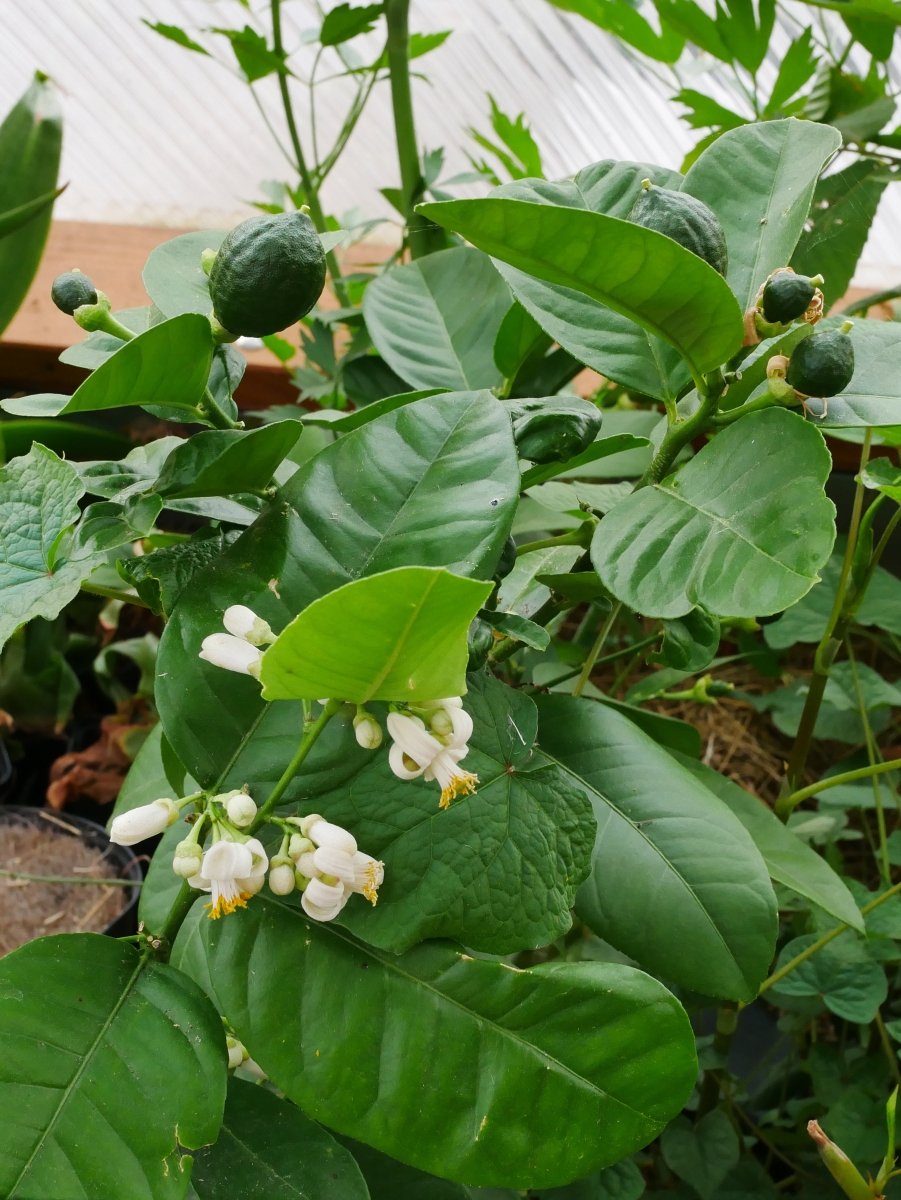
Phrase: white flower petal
(232, 653)
(328, 860)
(398, 765)
(413, 738)
(243, 622)
(324, 894)
(227, 860)
(324, 833)
(146, 821)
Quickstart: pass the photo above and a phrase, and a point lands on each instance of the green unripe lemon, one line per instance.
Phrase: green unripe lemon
(71, 290)
(684, 219)
(268, 273)
(786, 297)
(823, 364)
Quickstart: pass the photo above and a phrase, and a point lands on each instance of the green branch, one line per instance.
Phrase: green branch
(309, 739)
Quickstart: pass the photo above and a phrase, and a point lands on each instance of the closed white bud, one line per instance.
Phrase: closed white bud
(243, 622)
(241, 810)
(298, 845)
(324, 833)
(236, 1052)
(232, 653)
(367, 731)
(281, 879)
(186, 860)
(145, 822)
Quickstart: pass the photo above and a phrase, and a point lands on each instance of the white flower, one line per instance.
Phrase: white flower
(324, 833)
(369, 875)
(367, 731)
(323, 901)
(236, 1052)
(281, 878)
(232, 872)
(145, 822)
(244, 623)
(240, 809)
(334, 870)
(417, 752)
(232, 653)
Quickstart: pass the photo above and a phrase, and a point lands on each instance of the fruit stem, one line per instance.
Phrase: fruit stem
(209, 409)
(423, 235)
(306, 179)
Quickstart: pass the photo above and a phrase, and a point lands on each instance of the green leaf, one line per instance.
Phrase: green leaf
(839, 717)
(168, 366)
(741, 530)
(511, 886)
(872, 396)
(844, 206)
(604, 447)
(14, 218)
(97, 347)
(497, 1039)
(625, 22)
(39, 572)
(520, 628)
(701, 1152)
(174, 33)
(519, 336)
(882, 476)
(423, 323)
(789, 861)
(705, 112)
(690, 642)
(173, 277)
(97, 1015)
(746, 33)
(841, 974)
(759, 180)
(637, 272)
(388, 1179)
(434, 483)
(222, 462)
(344, 22)
(267, 1147)
(797, 67)
(30, 144)
(160, 577)
(253, 54)
(691, 22)
(622, 1181)
(403, 637)
(709, 920)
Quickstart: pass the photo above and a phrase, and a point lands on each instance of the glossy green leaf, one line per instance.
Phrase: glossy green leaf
(622, 1181)
(174, 33)
(221, 462)
(701, 1152)
(161, 576)
(841, 974)
(604, 447)
(423, 322)
(511, 886)
(637, 272)
(346, 21)
(40, 572)
(789, 860)
(112, 1069)
(434, 484)
(97, 347)
(30, 145)
(873, 397)
(402, 637)
(519, 338)
(268, 1148)
(741, 530)
(708, 918)
(531, 1104)
(759, 180)
(882, 476)
(173, 277)
(166, 366)
(689, 642)
(388, 1179)
(14, 218)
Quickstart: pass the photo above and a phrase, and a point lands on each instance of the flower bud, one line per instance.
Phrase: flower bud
(298, 845)
(281, 879)
(241, 809)
(232, 653)
(186, 860)
(324, 833)
(236, 1052)
(839, 1166)
(367, 731)
(145, 822)
(243, 622)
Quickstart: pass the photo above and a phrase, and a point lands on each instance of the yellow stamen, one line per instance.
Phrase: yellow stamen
(462, 784)
(226, 907)
(371, 887)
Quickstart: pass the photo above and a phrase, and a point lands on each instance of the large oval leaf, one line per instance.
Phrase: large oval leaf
(759, 179)
(499, 869)
(741, 530)
(434, 483)
(112, 1065)
(422, 319)
(531, 1077)
(268, 1148)
(637, 272)
(677, 883)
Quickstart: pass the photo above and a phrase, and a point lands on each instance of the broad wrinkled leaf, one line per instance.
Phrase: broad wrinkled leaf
(701, 1152)
(161, 576)
(40, 571)
(690, 642)
(530, 1104)
(789, 860)
(637, 272)
(839, 717)
(622, 1181)
(759, 180)
(434, 483)
(704, 919)
(403, 638)
(422, 319)
(267, 1147)
(510, 886)
(842, 975)
(114, 1066)
(741, 530)
(167, 367)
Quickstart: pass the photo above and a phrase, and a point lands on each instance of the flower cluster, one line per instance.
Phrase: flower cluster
(322, 860)
(239, 648)
(430, 740)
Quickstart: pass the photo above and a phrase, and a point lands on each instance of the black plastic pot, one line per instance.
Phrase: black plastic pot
(126, 864)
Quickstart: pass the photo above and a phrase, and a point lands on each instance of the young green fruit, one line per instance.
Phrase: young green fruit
(71, 290)
(268, 273)
(787, 296)
(823, 364)
(684, 219)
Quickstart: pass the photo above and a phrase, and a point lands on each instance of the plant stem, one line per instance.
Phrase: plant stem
(214, 414)
(311, 192)
(592, 657)
(779, 975)
(79, 879)
(885, 869)
(96, 589)
(423, 235)
(833, 636)
(732, 414)
(309, 739)
(867, 302)
(830, 781)
(175, 918)
(573, 537)
(710, 388)
(889, 1049)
